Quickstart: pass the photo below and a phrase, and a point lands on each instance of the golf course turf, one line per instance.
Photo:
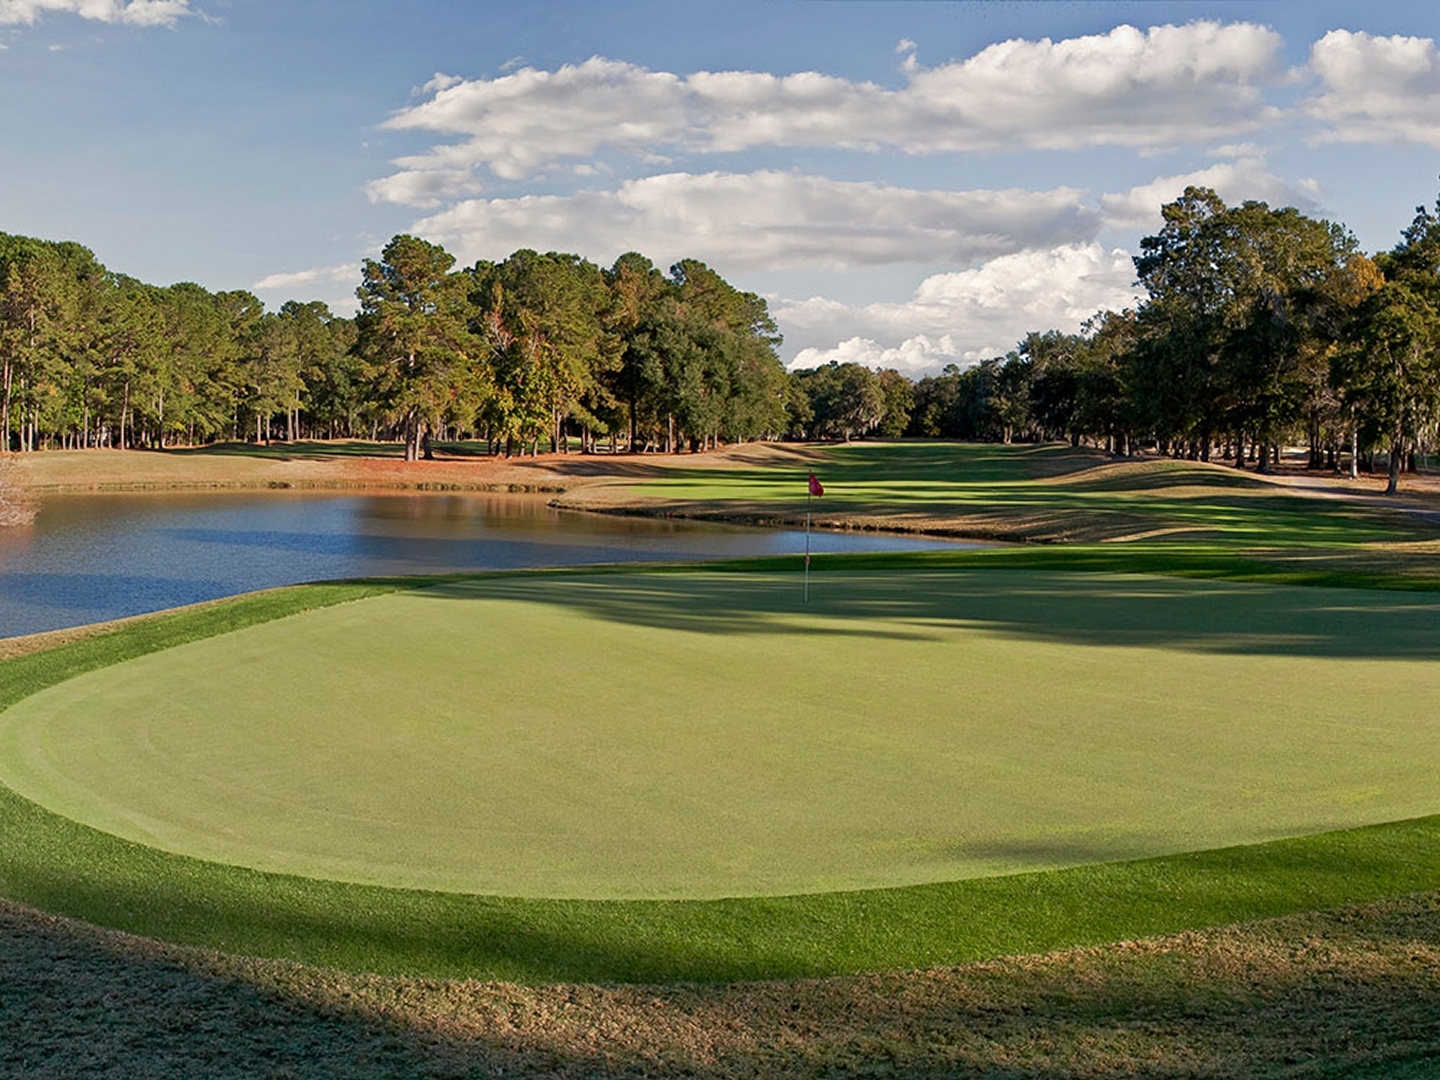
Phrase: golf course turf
(703, 735)
(58, 864)
(687, 774)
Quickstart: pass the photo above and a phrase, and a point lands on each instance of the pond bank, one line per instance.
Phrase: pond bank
(1047, 494)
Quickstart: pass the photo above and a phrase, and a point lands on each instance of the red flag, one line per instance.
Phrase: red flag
(815, 488)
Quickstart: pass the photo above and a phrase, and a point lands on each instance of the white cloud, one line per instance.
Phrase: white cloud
(130, 12)
(1377, 89)
(1237, 150)
(909, 62)
(334, 285)
(1233, 181)
(329, 275)
(522, 121)
(965, 316)
(439, 81)
(768, 220)
(914, 356)
(1164, 86)
(425, 188)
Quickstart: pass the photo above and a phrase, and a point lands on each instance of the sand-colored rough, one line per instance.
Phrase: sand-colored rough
(1348, 993)
(300, 465)
(16, 505)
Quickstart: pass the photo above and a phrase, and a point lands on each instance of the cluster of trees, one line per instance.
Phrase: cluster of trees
(841, 401)
(93, 358)
(544, 346)
(1261, 327)
(535, 347)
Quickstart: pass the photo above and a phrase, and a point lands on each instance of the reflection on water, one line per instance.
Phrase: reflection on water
(87, 558)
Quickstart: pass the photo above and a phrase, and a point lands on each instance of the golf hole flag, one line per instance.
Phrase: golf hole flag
(816, 488)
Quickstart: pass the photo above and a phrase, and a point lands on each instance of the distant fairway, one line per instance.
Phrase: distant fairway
(701, 734)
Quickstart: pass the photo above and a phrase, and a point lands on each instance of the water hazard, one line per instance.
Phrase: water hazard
(88, 558)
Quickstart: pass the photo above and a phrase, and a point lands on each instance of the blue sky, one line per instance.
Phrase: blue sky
(909, 184)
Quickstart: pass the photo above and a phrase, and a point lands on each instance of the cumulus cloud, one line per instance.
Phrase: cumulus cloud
(130, 12)
(768, 220)
(965, 316)
(439, 81)
(519, 122)
(916, 356)
(423, 187)
(345, 273)
(1233, 181)
(1135, 88)
(1162, 86)
(334, 285)
(1377, 89)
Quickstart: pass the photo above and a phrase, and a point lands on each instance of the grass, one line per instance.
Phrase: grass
(303, 448)
(60, 865)
(320, 449)
(903, 727)
(1347, 993)
(1323, 991)
(1039, 493)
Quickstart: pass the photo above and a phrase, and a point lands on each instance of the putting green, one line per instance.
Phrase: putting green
(703, 734)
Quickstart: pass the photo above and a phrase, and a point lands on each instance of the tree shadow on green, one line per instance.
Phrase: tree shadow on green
(1070, 608)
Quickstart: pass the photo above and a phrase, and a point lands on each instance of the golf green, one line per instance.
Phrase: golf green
(703, 734)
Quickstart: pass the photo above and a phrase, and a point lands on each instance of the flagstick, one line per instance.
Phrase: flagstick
(808, 497)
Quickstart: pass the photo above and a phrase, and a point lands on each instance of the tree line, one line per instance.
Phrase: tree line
(1260, 328)
(537, 347)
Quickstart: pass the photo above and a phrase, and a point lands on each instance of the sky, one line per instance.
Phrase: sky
(908, 184)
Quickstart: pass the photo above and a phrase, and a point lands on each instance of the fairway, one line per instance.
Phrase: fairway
(703, 734)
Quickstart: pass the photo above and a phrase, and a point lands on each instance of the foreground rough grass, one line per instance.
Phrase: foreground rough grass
(1346, 993)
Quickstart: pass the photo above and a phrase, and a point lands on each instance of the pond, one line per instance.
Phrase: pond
(88, 558)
